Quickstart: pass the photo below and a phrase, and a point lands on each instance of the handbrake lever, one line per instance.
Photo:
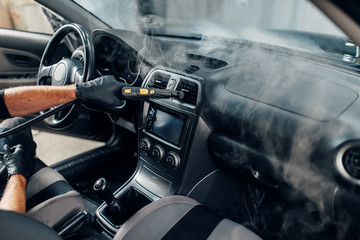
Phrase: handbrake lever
(140, 93)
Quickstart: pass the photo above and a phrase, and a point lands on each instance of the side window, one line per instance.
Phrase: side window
(26, 15)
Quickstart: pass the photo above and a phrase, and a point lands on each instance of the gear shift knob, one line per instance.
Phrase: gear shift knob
(102, 189)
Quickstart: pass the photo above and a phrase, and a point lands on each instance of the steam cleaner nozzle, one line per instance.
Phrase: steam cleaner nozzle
(139, 93)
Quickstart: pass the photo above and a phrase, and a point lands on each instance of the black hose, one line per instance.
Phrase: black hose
(35, 119)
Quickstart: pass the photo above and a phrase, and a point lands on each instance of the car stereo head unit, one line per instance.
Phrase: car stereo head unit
(166, 125)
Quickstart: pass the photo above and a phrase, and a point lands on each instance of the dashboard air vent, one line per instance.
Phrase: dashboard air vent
(159, 80)
(205, 61)
(351, 162)
(190, 90)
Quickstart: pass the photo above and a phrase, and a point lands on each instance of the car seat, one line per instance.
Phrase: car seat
(50, 198)
(180, 217)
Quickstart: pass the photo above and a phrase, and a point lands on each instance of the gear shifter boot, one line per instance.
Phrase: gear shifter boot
(114, 209)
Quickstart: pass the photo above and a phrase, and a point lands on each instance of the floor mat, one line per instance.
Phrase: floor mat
(273, 217)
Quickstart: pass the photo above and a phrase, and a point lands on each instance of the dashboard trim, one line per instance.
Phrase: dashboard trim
(339, 162)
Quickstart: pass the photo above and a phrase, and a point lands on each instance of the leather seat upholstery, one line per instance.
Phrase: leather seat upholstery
(175, 218)
(50, 198)
(180, 217)
(19, 226)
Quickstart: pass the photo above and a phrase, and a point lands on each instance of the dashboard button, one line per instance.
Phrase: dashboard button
(145, 145)
(172, 160)
(144, 91)
(157, 153)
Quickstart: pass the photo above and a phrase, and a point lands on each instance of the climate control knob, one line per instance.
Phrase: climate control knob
(172, 160)
(144, 145)
(157, 153)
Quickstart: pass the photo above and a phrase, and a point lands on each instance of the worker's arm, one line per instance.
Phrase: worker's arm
(14, 197)
(103, 93)
(22, 101)
(19, 165)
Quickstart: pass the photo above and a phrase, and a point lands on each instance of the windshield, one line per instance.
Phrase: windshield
(210, 17)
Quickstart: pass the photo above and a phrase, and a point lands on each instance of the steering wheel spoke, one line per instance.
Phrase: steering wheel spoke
(44, 74)
(60, 114)
(78, 78)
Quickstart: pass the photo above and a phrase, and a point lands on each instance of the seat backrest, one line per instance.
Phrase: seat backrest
(19, 226)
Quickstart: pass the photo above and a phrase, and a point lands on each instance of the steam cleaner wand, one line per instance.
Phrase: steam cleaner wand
(136, 93)
(140, 93)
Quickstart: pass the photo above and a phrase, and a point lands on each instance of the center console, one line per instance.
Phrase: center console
(165, 131)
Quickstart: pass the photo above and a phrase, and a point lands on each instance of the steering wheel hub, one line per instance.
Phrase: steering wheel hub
(59, 74)
(67, 71)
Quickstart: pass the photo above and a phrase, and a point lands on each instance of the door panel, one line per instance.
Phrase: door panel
(20, 54)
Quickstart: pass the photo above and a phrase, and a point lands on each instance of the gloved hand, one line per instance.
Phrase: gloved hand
(103, 93)
(17, 161)
(25, 140)
(23, 137)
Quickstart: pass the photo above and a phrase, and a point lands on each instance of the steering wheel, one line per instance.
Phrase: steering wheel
(69, 70)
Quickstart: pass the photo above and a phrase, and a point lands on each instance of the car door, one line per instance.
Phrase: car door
(24, 33)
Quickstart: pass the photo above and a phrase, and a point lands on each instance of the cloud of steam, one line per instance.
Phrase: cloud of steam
(299, 148)
(229, 17)
(289, 142)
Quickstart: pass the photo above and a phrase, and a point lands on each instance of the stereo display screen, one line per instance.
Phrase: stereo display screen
(167, 126)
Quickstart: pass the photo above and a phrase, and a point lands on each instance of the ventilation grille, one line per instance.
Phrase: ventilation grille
(190, 90)
(351, 162)
(159, 80)
(207, 62)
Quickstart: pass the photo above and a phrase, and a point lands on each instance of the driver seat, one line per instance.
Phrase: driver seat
(50, 198)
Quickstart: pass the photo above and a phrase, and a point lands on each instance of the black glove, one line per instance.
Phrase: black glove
(103, 93)
(23, 137)
(25, 140)
(17, 161)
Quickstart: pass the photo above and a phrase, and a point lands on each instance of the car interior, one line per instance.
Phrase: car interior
(260, 142)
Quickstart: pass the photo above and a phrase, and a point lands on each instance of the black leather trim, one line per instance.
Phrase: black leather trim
(197, 224)
(53, 190)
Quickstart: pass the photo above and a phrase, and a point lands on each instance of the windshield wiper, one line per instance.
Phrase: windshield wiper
(190, 36)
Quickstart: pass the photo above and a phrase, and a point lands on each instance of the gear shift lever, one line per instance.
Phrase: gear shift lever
(102, 189)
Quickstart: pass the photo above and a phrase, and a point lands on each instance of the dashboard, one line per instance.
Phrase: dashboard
(114, 58)
(274, 118)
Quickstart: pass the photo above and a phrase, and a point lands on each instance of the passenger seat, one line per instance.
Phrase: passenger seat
(180, 217)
